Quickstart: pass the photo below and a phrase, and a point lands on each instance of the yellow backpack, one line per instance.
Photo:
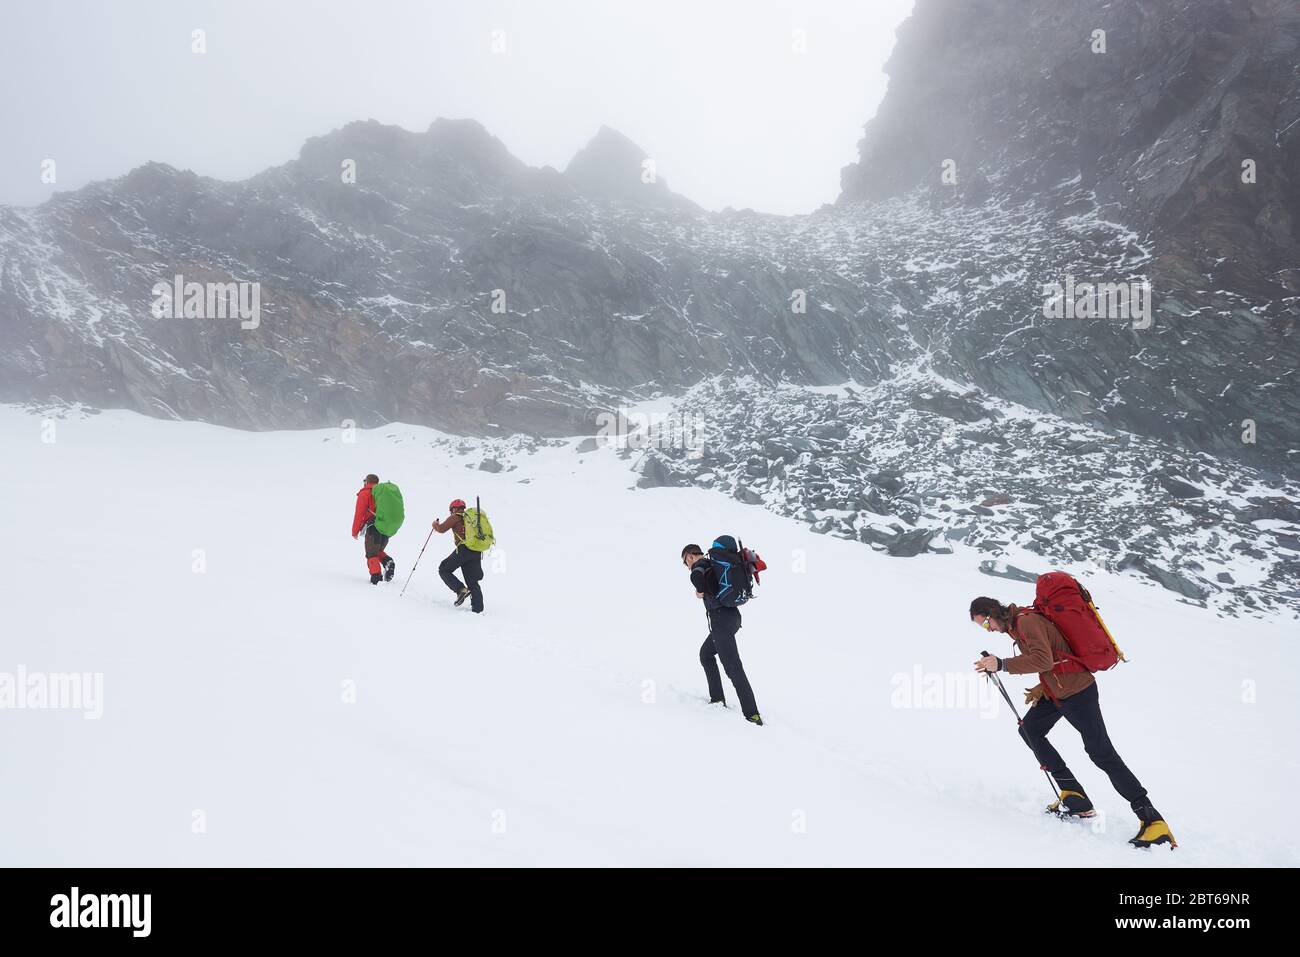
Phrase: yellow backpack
(478, 530)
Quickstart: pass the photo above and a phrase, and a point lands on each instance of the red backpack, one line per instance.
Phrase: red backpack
(1068, 606)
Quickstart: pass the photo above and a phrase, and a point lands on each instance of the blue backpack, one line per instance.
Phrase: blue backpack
(732, 576)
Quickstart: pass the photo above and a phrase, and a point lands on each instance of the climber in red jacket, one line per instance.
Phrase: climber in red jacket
(377, 561)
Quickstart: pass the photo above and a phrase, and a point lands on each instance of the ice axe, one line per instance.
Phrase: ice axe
(1020, 724)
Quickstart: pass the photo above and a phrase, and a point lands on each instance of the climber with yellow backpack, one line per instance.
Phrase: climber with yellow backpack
(1062, 638)
(473, 535)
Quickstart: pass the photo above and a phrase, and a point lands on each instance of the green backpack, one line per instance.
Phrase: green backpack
(478, 530)
(389, 513)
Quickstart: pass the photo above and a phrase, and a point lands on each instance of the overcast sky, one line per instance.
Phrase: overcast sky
(714, 90)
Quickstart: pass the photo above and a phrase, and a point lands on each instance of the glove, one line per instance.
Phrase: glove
(1033, 694)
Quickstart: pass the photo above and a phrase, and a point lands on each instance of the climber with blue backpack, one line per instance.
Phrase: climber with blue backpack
(724, 580)
(380, 513)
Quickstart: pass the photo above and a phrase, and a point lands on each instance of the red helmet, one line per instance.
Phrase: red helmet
(456, 503)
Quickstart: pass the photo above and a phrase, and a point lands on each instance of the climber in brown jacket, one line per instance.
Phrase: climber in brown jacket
(1070, 695)
(464, 559)
(1041, 646)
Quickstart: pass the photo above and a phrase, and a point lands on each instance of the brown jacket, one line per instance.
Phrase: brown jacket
(453, 523)
(1041, 645)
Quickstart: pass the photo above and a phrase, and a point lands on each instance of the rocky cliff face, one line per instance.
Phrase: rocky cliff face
(449, 284)
(1179, 119)
(1152, 107)
(432, 277)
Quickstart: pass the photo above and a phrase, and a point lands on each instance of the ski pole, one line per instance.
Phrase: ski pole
(417, 561)
(1020, 724)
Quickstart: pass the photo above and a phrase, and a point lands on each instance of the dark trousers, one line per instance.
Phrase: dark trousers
(375, 554)
(471, 564)
(1083, 711)
(721, 643)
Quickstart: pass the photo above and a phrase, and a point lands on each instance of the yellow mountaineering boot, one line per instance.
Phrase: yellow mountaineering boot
(1153, 831)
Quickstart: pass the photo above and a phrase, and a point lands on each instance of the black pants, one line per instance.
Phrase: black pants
(1083, 712)
(471, 563)
(721, 643)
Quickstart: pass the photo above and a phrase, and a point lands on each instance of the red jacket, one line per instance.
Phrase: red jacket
(365, 510)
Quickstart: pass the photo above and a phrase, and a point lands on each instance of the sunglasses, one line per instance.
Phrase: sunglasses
(985, 624)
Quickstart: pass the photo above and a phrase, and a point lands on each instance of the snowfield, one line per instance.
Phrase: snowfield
(207, 574)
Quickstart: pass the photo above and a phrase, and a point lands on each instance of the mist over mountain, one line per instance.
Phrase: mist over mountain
(431, 277)
(452, 285)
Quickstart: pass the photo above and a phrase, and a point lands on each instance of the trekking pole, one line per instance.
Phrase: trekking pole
(478, 516)
(417, 561)
(1020, 724)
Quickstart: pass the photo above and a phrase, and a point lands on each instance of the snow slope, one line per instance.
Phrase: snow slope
(567, 724)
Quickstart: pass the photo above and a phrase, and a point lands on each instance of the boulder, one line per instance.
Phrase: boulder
(1177, 487)
(1005, 570)
(1168, 579)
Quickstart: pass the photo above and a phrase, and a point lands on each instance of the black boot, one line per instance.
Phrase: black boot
(376, 578)
(390, 567)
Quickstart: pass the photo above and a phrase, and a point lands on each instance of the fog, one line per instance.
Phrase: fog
(744, 103)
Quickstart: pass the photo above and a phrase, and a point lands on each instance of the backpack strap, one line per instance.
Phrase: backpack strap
(1015, 622)
(1056, 663)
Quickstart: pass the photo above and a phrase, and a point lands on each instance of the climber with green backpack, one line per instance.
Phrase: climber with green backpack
(379, 511)
(473, 535)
